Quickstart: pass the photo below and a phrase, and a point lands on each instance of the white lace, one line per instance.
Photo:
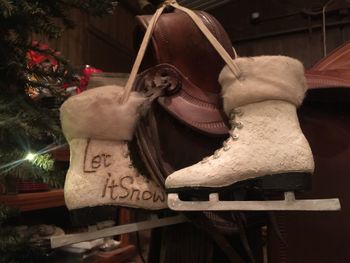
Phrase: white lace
(234, 125)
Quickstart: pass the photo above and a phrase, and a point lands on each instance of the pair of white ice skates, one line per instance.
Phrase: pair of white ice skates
(266, 148)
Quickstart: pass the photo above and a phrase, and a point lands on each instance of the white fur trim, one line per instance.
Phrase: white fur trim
(263, 78)
(97, 114)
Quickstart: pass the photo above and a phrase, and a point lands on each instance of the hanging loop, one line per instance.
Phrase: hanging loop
(169, 2)
(236, 71)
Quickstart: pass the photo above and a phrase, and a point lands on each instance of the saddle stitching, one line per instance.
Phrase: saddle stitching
(190, 98)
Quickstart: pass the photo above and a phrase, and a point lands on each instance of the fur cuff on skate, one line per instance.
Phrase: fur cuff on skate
(97, 114)
(263, 78)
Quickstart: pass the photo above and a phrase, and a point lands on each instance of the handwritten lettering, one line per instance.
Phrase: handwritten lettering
(147, 195)
(158, 196)
(126, 188)
(106, 184)
(96, 162)
(137, 191)
(112, 186)
(100, 160)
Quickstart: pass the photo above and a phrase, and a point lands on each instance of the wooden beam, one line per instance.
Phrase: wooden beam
(34, 201)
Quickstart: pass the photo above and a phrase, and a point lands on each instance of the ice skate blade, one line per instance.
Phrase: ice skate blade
(154, 222)
(288, 204)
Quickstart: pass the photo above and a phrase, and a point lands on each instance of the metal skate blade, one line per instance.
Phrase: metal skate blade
(288, 204)
(64, 240)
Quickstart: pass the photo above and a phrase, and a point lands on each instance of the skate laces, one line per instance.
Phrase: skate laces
(233, 136)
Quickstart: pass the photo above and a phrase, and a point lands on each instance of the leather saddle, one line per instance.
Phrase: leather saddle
(186, 122)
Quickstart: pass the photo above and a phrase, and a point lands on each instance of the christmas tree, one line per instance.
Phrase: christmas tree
(30, 73)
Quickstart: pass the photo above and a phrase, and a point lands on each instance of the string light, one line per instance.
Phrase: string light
(30, 156)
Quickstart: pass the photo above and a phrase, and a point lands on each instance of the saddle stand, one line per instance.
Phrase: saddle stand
(290, 203)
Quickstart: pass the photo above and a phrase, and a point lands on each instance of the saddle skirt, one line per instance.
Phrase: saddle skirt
(332, 70)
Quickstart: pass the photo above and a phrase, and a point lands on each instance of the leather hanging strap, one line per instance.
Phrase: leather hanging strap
(140, 54)
(213, 41)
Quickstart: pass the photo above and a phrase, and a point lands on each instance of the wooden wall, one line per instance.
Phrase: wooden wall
(104, 43)
(284, 27)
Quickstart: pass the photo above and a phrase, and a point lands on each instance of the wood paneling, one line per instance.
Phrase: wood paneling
(284, 28)
(105, 42)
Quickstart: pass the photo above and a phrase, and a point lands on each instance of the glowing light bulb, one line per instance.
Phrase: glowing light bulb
(30, 156)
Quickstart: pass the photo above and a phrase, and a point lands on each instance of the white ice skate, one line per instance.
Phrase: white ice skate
(266, 149)
(101, 172)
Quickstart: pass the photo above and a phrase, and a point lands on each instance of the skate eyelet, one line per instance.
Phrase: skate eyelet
(238, 112)
(239, 125)
(226, 148)
(234, 137)
(216, 156)
(206, 159)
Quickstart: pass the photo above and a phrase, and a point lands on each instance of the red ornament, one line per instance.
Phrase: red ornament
(84, 79)
(37, 57)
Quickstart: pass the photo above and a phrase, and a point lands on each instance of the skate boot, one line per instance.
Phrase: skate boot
(98, 128)
(266, 148)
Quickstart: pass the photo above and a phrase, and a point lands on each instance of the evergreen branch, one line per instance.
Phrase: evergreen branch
(44, 161)
(26, 124)
(6, 8)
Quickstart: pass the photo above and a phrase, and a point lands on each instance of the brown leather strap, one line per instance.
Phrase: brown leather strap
(141, 54)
